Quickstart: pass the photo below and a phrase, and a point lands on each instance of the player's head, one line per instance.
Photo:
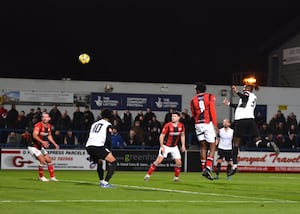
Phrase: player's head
(175, 116)
(250, 87)
(226, 122)
(250, 84)
(200, 87)
(45, 117)
(106, 113)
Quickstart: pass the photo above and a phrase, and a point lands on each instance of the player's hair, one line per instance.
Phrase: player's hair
(201, 87)
(106, 113)
(253, 87)
(176, 112)
(45, 113)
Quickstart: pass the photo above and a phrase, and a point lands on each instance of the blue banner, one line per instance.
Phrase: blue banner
(118, 101)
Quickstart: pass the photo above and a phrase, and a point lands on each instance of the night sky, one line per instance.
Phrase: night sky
(143, 41)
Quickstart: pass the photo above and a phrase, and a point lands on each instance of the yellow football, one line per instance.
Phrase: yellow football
(84, 58)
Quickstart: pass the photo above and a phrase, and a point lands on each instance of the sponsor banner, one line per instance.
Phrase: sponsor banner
(62, 159)
(120, 101)
(291, 55)
(140, 160)
(46, 96)
(31, 97)
(267, 162)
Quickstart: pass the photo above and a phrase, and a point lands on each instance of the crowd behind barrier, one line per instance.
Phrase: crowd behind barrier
(248, 144)
(139, 131)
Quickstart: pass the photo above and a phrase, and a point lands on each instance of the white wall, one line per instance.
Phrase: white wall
(274, 97)
(271, 96)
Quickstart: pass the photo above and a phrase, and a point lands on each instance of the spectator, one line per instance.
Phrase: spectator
(131, 139)
(137, 117)
(117, 124)
(58, 138)
(127, 121)
(266, 132)
(117, 140)
(3, 111)
(55, 115)
(30, 114)
(77, 123)
(32, 123)
(168, 116)
(154, 123)
(280, 135)
(293, 140)
(139, 132)
(70, 139)
(13, 138)
(153, 137)
(11, 118)
(153, 132)
(259, 119)
(26, 138)
(117, 117)
(65, 122)
(3, 115)
(186, 120)
(291, 119)
(148, 116)
(142, 123)
(88, 120)
(21, 122)
(280, 117)
(38, 114)
(77, 120)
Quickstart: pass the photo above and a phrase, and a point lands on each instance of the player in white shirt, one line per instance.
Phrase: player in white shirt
(98, 147)
(244, 121)
(224, 145)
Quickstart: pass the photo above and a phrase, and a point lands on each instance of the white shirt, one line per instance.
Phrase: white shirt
(98, 133)
(226, 137)
(246, 110)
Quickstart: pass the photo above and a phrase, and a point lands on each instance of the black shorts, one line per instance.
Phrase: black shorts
(245, 128)
(227, 154)
(97, 152)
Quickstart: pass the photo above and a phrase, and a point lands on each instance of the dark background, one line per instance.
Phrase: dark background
(143, 41)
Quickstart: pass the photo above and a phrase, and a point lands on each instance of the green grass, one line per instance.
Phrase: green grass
(78, 192)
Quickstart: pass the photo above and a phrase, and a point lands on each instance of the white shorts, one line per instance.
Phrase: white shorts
(36, 152)
(173, 150)
(205, 131)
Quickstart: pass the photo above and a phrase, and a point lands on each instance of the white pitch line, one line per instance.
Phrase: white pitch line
(253, 200)
(194, 193)
(133, 201)
(211, 194)
(285, 177)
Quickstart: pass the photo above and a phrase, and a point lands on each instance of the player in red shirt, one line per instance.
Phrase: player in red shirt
(172, 133)
(205, 118)
(41, 138)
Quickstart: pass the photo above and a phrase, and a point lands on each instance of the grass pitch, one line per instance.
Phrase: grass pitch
(79, 192)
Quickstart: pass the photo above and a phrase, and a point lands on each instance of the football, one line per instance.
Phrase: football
(84, 58)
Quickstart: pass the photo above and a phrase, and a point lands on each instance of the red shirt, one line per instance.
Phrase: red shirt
(43, 132)
(172, 133)
(203, 108)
